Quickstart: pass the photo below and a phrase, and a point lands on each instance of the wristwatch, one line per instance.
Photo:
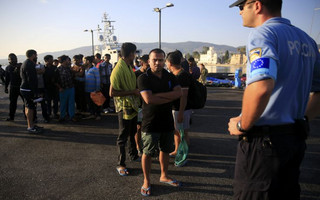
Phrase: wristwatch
(239, 127)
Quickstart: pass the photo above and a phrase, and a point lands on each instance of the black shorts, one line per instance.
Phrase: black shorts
(28, 99)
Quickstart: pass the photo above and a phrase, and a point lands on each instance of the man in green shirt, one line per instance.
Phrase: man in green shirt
(126, 96)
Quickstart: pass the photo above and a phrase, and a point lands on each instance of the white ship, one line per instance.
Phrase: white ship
(109, 42)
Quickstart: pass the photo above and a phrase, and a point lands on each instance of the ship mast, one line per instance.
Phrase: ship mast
(107, 37)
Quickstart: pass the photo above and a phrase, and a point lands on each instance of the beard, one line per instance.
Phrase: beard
(35, 60)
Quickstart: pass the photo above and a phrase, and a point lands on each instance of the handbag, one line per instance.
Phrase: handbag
(97, 98)
(182, 153)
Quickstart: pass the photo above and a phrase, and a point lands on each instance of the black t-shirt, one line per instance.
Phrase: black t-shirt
(50, 78)
(185, 66)
(157, 118)
(29, 77)
(184, 79)
(13, 76)
(138, 73)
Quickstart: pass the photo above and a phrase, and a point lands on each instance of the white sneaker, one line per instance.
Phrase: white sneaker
(38, 100)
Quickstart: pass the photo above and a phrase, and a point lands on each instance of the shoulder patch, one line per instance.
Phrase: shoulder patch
(255, 54)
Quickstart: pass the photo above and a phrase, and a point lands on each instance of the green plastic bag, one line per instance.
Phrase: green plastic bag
(182, 153)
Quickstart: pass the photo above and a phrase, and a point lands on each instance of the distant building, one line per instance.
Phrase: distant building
(211, 57)
(238, 59)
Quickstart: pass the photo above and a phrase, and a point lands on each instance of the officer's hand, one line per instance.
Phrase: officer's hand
(6, 91)
(233, 126)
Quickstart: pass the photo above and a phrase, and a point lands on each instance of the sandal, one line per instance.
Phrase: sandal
(122, 171)
(173, 183)
(146, 191)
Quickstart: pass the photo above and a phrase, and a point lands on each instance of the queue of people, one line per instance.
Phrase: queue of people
(61, 88)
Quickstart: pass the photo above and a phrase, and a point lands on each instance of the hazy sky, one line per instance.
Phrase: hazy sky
(53, 25)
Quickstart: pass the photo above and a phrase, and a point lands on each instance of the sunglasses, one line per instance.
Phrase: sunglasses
(242, 5)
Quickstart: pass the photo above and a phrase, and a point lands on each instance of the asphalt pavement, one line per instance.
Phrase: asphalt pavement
(77, 160)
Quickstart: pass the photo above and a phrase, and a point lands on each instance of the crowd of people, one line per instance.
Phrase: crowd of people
(150, 97)
(282, 93)
(61, 86)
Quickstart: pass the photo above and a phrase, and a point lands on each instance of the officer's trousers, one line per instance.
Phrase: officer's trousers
(268, 167)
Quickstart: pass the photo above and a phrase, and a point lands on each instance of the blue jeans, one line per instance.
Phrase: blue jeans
(67, 101)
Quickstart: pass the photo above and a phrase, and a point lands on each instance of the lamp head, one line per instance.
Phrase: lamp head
(169, 5)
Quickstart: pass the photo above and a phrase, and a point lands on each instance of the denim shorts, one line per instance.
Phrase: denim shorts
(155, 141)
(186, 119)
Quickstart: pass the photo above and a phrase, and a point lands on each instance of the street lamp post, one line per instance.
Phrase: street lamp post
(92, 41)
(159, 11)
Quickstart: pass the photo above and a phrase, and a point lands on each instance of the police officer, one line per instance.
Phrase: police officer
(283, 68)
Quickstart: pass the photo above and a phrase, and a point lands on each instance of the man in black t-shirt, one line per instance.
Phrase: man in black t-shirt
(51, 89)
(181, 109)
(158, 89)
(13, 80)
(28, 88)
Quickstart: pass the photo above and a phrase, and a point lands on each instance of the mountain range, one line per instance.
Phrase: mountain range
(184, 47)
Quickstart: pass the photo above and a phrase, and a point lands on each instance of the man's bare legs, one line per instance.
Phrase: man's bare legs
(29, 114)
(146, 168)
(164, 164)
(177, 139)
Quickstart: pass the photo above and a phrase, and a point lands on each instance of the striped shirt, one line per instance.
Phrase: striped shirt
(92, 79)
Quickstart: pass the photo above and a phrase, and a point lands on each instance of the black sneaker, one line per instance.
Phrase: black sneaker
(38, 127)
(34, 130)
(9, 119)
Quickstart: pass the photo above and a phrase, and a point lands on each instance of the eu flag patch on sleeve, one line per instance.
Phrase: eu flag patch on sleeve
(262, 68)
(260, 63)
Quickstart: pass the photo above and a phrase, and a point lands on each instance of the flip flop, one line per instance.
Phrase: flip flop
(144, 191)
(122, 172)
(173, 183)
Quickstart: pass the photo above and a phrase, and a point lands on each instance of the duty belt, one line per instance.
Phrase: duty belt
(299, 128)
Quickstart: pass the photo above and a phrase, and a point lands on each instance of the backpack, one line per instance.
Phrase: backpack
(197, 95)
